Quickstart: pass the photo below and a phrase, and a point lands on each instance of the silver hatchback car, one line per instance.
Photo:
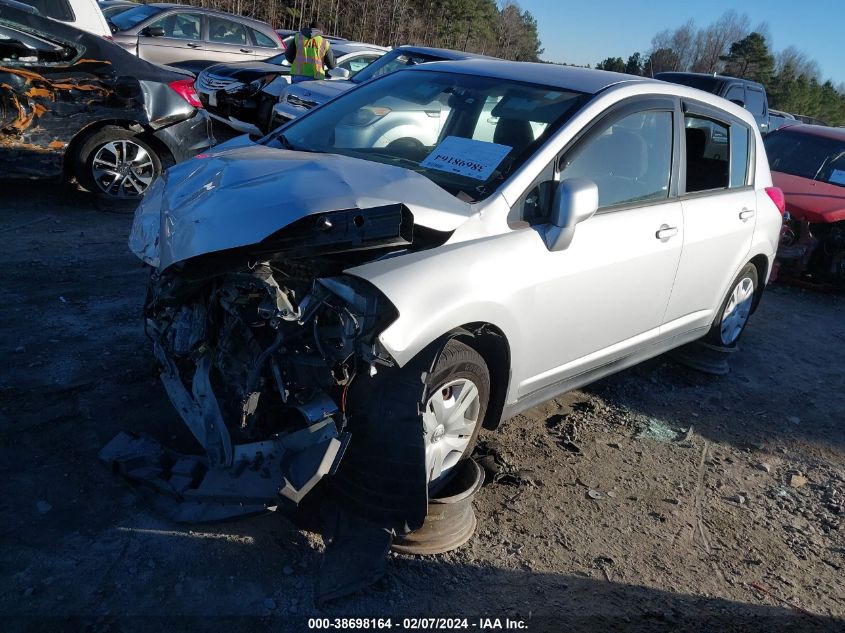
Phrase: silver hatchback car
(358, 310)
(165, 33)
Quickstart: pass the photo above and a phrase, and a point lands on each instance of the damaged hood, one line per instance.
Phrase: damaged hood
(244, 192)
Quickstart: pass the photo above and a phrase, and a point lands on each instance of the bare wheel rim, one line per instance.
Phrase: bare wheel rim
(737, 310)
(449, 421)
(123, 169)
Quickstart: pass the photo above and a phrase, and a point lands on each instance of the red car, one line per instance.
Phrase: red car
(808, 164)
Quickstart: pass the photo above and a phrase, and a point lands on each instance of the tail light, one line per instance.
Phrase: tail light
(777, 197)
(185, 89)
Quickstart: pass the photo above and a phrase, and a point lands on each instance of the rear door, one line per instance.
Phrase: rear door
(182, 39)
(719, 208)
(228, 41)
(263, 46)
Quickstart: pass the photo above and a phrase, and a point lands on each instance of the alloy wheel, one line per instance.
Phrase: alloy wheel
(123, 169)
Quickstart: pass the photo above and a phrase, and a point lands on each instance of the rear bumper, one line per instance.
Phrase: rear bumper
(189, 137)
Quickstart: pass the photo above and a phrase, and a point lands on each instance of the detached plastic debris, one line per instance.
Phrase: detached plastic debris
(710, 359)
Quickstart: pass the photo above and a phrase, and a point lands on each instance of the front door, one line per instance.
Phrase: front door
(606, 294)
(228, 41)
(182, 39)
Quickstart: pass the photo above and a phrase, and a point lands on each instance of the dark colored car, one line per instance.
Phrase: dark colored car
(748, 94)
(76, 105)
(111, 8)
(808, 164)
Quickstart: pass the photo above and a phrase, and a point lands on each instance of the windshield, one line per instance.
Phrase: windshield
(463, 132)
(133, 17)
(390, 63)
(807, 156)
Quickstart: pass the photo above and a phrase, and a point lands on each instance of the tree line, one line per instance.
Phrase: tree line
(478, 26)
(729, 46)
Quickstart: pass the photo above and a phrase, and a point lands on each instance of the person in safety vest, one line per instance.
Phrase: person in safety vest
(310, 54)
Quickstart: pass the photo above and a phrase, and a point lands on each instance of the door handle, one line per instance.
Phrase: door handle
(746, 214)
(246, 50)
(665, 232)
(194, 45)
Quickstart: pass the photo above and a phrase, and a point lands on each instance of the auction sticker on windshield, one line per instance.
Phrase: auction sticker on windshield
(466, 157)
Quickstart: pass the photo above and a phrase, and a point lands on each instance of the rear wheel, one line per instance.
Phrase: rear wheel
(735, 309)
(457, 399)
(116, 163)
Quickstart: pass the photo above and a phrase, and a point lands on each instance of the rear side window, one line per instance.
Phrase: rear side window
(225, 31)
(735, 93)
(707, 154)
(262, 40)
(739, 155)
(56, 9)
(630, 160)
(755, 102)
(18, 48)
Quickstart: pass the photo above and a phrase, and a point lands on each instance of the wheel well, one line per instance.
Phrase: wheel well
(491, 343)
(161, 149)
(761, 263)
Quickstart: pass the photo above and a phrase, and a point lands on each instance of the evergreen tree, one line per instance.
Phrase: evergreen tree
(749, 58)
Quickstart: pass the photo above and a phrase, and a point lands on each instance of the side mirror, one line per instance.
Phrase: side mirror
(576, 200)
(153, 31)
(339, 73)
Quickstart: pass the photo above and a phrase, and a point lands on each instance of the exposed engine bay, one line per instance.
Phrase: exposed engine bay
(812, 251)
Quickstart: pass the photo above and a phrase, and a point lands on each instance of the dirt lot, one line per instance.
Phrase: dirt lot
(650, 501)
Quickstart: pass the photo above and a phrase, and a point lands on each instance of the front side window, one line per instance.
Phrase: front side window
(222, 31)
(707, 154)
(630, 160)
(180, 26)
(736, 94)
(131, 18)
(427, 121)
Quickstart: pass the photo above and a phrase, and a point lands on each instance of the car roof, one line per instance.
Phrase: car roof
(713, 80)
(444, 53)
(346, 48)
(176, 5)
(836, 133)
(570, 77)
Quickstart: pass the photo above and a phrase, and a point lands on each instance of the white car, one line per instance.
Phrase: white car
(83, 14)
(564, 224)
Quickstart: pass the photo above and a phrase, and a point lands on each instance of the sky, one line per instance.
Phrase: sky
(588, 31)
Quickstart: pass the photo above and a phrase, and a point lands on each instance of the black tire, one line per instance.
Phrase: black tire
(459, 361)
(714, 336)
(83, 160)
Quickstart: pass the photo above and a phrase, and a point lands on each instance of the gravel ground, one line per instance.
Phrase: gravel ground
(658, 499)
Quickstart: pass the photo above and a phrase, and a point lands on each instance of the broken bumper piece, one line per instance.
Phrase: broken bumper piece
(262, 475)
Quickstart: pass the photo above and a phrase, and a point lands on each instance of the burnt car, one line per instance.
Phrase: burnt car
(808, 164)
(73, 104)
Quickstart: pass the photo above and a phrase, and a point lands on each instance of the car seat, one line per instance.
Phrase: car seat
(189, 30)
(515, 133)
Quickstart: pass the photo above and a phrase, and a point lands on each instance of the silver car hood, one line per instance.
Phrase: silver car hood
(244, 192)
(320, 91)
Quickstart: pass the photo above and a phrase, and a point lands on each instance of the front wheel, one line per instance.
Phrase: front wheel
(458, 392)
(733, 314)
